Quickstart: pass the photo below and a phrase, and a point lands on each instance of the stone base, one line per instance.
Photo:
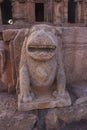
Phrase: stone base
(45, 102)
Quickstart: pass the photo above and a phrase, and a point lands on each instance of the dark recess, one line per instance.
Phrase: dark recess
(39, 12)
(71, 11)
(6, 11)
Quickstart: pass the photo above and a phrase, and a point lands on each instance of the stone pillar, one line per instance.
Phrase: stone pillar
(62, 11)
(48, 11)
(86, 12)
(15, 10)
(78, 12)
(18, 11)
(52, 10)
(65, 11)
(30, 11)
(57, 12)
(0, 12)
(82, 11)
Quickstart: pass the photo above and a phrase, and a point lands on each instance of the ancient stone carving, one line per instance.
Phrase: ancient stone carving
(41, 73)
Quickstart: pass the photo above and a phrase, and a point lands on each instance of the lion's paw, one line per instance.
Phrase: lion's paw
(26, 98)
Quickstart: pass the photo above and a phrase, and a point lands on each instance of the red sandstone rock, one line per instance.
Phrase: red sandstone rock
(52, 120)
(9, 34)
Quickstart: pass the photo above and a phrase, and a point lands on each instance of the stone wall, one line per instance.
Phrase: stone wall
(74, 47)
(74, 43)
(55, 11)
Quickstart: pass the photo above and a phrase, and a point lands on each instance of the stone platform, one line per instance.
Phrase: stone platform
(45, 102)
(71, 117)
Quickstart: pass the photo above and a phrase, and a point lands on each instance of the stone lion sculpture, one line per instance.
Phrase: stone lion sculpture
(41, 73)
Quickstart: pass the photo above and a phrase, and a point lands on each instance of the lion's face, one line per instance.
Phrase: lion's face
(41, 45)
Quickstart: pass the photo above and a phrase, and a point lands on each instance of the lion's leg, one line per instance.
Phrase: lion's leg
(61, 78)
(25, 94)
(61, 82)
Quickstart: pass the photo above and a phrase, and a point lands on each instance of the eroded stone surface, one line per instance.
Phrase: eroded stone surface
(51, 120)
(10, 118)
(9, 34)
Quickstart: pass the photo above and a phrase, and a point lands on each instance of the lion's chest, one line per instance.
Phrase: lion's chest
(42, 74)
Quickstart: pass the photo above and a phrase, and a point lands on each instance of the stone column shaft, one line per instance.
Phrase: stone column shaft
(79, 12)
(65, 11)
(82, 11)
(85, 12)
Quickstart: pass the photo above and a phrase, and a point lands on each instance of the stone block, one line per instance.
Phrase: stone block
(9, 34)
(51, 120)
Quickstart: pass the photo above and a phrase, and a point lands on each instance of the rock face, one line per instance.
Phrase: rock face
(41, 75)
(51, 120)
(67, 118)
(10, 118)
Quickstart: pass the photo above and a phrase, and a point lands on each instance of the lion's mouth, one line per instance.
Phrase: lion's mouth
(41, 52)
(41, 48)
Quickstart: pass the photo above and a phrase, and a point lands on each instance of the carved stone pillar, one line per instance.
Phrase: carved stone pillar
(65, 11)
(58, 12)
(18, 11)
(30, 12)
(78, 12)
(86, 12)
(15, 10)
(48, 11)
(83, 11)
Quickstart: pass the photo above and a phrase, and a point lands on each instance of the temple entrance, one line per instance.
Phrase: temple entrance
(39, 12)
(6, 11)
(71, 11)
